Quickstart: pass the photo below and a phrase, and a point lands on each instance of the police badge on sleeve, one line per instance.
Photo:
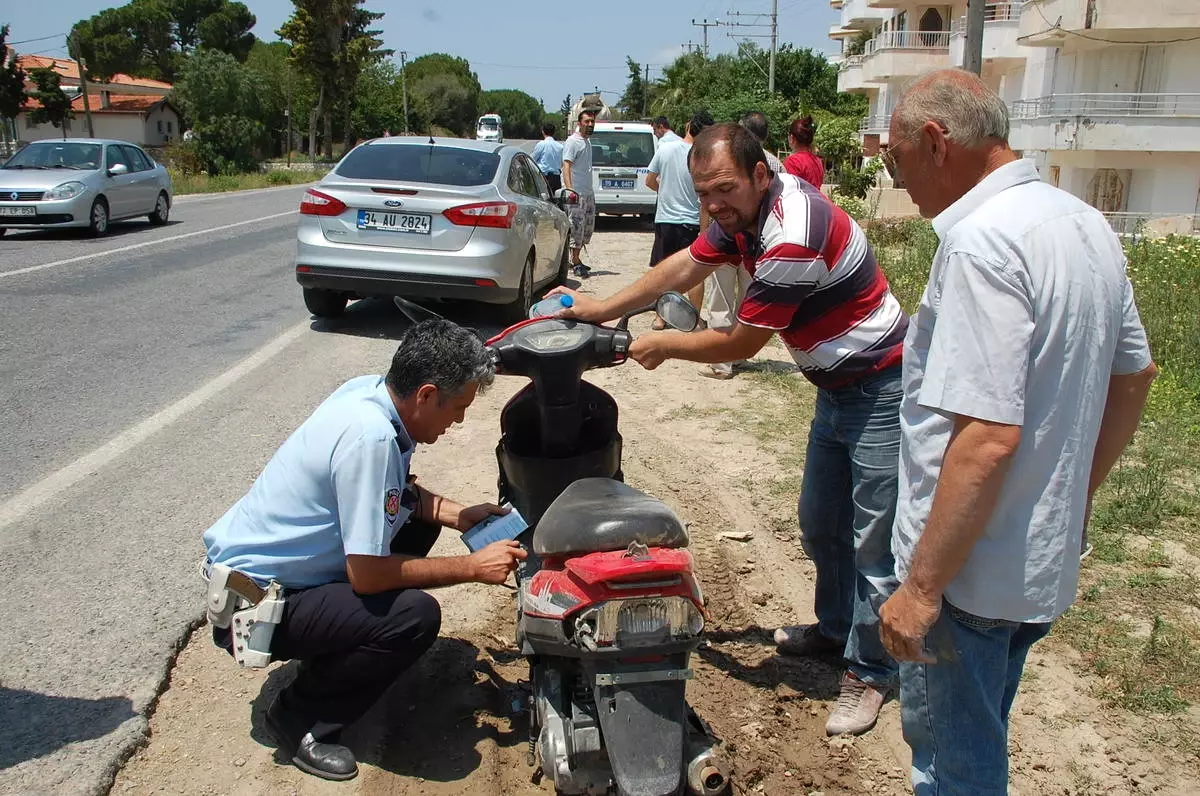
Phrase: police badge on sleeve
(391, 504)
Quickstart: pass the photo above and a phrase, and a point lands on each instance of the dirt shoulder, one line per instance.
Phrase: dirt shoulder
(726, 456)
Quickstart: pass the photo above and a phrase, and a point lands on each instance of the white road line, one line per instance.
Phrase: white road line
(30, 269)
(55, 485)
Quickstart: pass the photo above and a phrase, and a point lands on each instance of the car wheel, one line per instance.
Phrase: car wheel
(162, 210)
(98, 219)
(519, 309)
(324, 303)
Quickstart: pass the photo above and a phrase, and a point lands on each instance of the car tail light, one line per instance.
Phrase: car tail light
(483, 214)
(316, 203)
(644, 618)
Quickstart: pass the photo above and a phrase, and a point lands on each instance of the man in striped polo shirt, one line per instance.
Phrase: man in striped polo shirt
(814, 281)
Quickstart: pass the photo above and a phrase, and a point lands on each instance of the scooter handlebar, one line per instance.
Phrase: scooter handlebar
(542, 344)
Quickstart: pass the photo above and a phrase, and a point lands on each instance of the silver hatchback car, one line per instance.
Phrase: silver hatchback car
(430, 218)
(82, 182)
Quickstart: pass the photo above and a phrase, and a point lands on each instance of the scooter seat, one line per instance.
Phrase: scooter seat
(599, 515)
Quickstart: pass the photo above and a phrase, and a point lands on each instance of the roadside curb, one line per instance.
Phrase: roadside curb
(194, 196)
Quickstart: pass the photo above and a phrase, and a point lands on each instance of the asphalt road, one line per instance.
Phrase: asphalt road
(145, 378)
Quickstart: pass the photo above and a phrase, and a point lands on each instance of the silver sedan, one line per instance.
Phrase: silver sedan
(430, 218)
(82, 182)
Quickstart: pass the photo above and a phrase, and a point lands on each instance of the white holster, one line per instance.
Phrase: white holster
(251, 612)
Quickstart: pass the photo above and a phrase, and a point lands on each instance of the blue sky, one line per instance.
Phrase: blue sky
(546, 49)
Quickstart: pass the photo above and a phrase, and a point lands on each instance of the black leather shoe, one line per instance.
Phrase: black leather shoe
(325, 760)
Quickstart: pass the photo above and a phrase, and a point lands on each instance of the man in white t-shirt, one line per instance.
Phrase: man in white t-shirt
(577, 179)
(677, 215)
(1026, 369)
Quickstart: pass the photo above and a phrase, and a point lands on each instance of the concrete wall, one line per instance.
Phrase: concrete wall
(150, 134)
(1181, 68)
(129, 127)
(1161, 182)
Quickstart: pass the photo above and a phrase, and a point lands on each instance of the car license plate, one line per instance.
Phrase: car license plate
(618, 184)
(18, 211)
(412, 223)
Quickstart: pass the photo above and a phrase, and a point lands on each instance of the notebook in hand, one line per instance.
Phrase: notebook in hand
(495, 528)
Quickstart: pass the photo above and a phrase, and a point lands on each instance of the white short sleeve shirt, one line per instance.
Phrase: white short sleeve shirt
(1027, 314)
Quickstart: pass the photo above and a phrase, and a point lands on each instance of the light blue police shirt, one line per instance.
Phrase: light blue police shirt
(677, 199)
(548, 156)
(333, 489)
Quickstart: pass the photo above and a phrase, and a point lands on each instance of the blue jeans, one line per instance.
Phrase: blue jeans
(847, 505)
(955, 713)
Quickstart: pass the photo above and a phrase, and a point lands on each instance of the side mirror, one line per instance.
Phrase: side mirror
(677, 312)
(560, 198)
(117, 170)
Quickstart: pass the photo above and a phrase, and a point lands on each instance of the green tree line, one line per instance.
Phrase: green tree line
(330, 81)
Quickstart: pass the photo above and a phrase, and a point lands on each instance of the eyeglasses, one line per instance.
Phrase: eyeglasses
(889, 160)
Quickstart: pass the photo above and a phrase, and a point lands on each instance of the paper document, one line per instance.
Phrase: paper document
(495, 528)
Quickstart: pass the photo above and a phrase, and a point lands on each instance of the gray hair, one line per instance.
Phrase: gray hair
(958, 100)
(443, 354)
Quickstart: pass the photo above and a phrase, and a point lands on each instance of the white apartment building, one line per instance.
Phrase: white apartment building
(1104, 95)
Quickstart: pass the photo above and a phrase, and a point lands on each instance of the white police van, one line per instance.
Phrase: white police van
(621, 152)
(490, 127)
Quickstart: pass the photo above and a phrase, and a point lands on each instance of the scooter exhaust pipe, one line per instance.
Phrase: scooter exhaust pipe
(707, 773)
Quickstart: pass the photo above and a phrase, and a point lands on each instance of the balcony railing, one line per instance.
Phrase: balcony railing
(851, 61)
(909, 40)
(992, 12)
(1138, 224)
(1124, 105)
(876, 123)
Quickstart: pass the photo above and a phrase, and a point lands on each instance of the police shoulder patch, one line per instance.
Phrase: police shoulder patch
(391, 504)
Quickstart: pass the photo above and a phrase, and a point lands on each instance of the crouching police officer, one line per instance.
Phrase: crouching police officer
(333, 536)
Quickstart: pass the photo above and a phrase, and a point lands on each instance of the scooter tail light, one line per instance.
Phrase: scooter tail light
(648, 619)
(552, 597)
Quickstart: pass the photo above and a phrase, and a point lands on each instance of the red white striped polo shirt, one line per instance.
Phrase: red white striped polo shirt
(815, 281)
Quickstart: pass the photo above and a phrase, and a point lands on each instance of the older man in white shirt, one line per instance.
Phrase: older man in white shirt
(1026, 369)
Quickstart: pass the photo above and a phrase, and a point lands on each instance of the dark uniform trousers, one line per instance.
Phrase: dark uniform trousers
(352, 647)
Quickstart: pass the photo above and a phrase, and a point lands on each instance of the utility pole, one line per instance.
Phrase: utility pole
(288, 113)
(645, 89)
(706, 25)
(973, 45)
(772, 24)
(74, 52)
(774, 44)
(404, 86)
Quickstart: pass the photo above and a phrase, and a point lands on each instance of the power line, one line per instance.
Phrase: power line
(43, 38)
(773, 24)
(555, 68)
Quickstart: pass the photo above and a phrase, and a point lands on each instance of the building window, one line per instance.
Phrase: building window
(160, 126)
(29, 125)
(169, 130)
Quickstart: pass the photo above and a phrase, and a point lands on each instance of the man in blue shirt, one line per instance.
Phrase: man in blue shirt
(548, 157)
(338, 521)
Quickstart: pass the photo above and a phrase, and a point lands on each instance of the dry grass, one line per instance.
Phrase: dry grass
(221, 183)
